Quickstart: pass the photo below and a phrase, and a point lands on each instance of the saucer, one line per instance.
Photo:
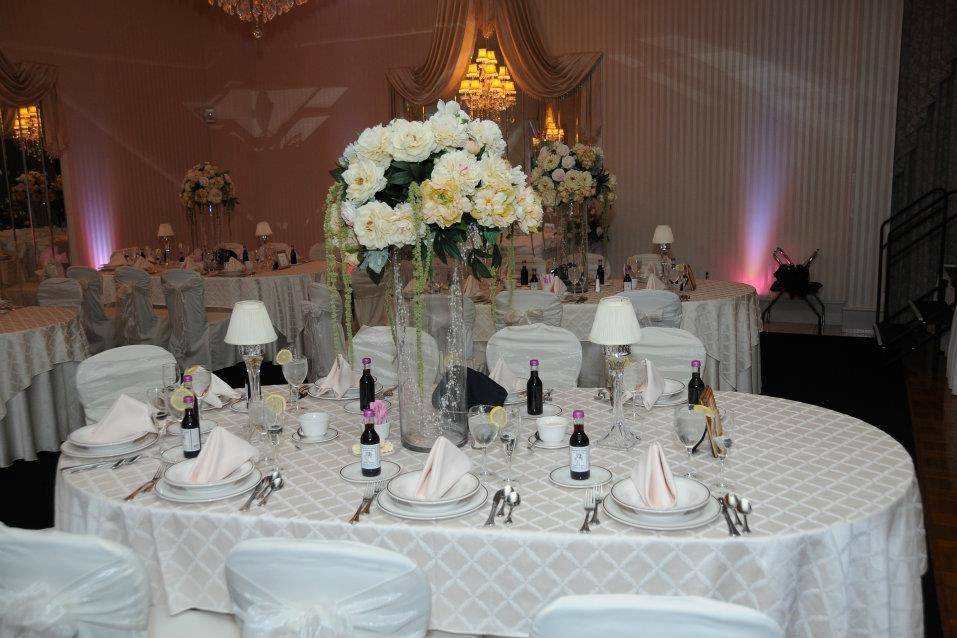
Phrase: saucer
(299, 437)
(542, 445)
(562, 476)
(353, 473)
(412, 513)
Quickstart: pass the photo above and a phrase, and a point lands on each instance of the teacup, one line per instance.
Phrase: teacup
(382, 429)
(552, 429)
(314, 424)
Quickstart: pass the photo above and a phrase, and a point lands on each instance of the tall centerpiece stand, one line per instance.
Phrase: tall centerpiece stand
(208, 195)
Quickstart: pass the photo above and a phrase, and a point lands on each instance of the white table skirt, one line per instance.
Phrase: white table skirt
(838, 545)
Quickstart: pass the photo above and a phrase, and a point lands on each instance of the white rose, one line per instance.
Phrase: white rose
(488, 134)
(491, 208)
(410, 141)
(364, 178)
(562, 149)
(373, 225)
(449, 131)
(497, 172)
(347, 210)
(558, 174)
(568, 161)
(547, 159)
(403, 231)
(459, 168)
(453, 109)
(373, 145)
(215, 196)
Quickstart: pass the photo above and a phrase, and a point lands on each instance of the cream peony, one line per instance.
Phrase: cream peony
(459, 168)
(558, 175)
(497, 172)
(214, 195)
(373, 145)
(200, 195)
(449, 125)
(568, 161)
(529, 211)
(562, 149)
(378, 226)
(489, 135)
(548, 159)
(364, 178)
(494, 208)
(404, 232)
(410, 141)
(443, 203)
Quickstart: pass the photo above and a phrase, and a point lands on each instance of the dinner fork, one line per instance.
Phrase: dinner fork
(148, 485)
(589, 504)
(367, 493)
(599, 496)
(376, 488)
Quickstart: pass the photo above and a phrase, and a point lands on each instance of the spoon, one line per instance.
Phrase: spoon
(506, 493)
(535, 439)
(514, 500)
(731, 499)
(499, 495)
(274, 478)
(744, 506)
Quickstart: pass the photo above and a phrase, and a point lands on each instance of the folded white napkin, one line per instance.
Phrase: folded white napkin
(444, 467)
(340, 378)
(473, 289)
(654, 481)
(142, 263)
(556, 286)
(654, 385)
(654, 283)
(125, 417)
(221, 456)
(503, 375)
(117, 259)
(234, 265)
(219, 390)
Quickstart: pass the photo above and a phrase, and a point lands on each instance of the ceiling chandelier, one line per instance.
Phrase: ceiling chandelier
(27, 129)
(258, 11)
(487, 88)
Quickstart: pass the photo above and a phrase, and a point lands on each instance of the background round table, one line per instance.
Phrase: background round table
(837, 550)
(40, 349)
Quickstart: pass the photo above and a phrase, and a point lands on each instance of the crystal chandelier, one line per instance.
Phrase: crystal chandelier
(258, 11)
(487, 88)
(27, 129)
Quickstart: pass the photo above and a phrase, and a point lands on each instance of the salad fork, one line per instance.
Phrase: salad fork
(376, 488)
(148, 485)
(589, 505)
(367, 492)
(599, 495)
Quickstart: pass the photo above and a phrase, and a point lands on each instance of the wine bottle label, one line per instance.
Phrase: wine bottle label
(369, 457)
(191, 441)
(579, 459)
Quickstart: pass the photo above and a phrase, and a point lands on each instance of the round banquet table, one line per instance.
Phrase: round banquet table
(837, 547)
(725, 315)
(40, 349)
(283, 292)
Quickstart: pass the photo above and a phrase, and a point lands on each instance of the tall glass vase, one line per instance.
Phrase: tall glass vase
(431, 405)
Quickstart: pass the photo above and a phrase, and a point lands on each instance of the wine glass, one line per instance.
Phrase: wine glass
(689, 426)
(202, 379)
(256, 422)
(274, 427)
(156, 400)
(483, 433)
(641, 380)
(170, 376)
(723, 442)
(295, 373)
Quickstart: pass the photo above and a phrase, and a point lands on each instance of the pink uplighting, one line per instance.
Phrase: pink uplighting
(759, 230)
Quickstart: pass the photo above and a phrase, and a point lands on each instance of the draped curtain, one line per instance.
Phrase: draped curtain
(29, 83)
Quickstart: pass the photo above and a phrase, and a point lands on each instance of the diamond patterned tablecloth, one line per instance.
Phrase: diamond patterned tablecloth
(837, 550)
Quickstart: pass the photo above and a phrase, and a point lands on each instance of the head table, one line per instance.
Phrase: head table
(837, 548)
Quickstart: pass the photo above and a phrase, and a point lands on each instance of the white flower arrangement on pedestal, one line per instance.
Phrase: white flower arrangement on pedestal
(206, 184)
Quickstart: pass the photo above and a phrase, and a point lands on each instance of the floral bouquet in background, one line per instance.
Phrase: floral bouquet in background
(206, 184)
(35, 184)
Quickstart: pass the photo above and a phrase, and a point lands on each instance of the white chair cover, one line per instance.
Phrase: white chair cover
(326, 589)
(377, 342)
(437, 320)
(51, 270)
(98, 327)
(317, 251)
(648, 262)
(322, 329)
(59, 585)
(369, 301)
(558, 351)
(526, 307)
(136, 321)
(671, 350)
(60, 291)
(658, 308)
(130, 370)
(605, 615)
(193, 339)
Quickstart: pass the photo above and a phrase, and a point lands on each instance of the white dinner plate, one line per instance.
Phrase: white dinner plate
(299, 437)
(166, 491)
(352, 407)
(81, 438)
(542, 445)
(177, 475)
(692, 496)
(548, 409)
(704, 516)
(353, 473)
(401, 510)
(205, 425)
(350, 395)
(563, 476)
(672, 387)
(402, 490)
(664, 402)
(83, 453)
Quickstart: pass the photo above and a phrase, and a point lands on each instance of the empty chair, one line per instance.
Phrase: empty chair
(604, 615)
(195, 337)
(322, 330)
(526, 307)
(130, 370)
(658, 308)
(369, 300)
(376, 342)
(437, 320)
(56, 584)
(671, 350)
(98, 327)
(285, 587)
(60, 291)
(558, 351)
(136, 321)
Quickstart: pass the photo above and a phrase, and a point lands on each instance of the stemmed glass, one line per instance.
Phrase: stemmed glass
(274, 427)
(483, 433)
(295, 373)
(508, 435)
(689, 425)
(256, 422)
(724, 442)
(202, 379)
(156, 400)
(170, 376)
(674, 277)
(641, 380)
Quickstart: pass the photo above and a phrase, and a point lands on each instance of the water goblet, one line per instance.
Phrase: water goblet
(256, 422)
(295, 373)
(483, 433)
(202, 380)
(156, 401)
(171, 376)
(689, 425)
(724, 442)
(274, 428)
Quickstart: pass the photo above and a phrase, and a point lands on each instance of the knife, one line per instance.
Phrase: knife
(732, 530)
(499, 495)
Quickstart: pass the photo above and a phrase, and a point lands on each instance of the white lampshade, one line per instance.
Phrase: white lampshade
(263, 229)
(250, 325)
(663, 235)
(615, 323)
(165, 230)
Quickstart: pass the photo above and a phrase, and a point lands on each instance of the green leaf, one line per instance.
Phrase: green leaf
(496, 256)
(401, 178)
(480, 270)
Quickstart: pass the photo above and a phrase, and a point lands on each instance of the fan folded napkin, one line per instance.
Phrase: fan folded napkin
(444, 467)
(339, 380)
(654, 481)
(219, 390)
(221, 456)
(474, 290)
(117, 259)
(654, 385)
(654, 283)
(503, 375)
(555, 286)
(125, 417)
(143, 264)
(234, 265)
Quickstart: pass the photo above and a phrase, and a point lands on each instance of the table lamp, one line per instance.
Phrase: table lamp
(663, 238)
(250, 328)
(165, 232)
(263, 231)
(616, 327)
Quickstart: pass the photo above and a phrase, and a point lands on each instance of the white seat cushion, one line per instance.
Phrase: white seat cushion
(192, 622)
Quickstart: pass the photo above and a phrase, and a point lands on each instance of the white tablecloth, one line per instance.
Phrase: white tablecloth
(725, 315)
(283, 292)
(837, 550)
(39, 351)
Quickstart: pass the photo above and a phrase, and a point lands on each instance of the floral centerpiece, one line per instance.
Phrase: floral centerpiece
(209, 196)
(418, 190)
(35, 184)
